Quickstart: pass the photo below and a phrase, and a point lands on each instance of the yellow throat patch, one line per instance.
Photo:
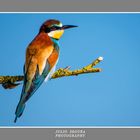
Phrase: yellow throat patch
(56, 34)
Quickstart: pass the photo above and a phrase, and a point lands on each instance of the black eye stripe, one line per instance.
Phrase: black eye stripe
(53, 28)
(47, 30)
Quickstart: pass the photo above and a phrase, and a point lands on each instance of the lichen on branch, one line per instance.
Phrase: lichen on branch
(9, 82)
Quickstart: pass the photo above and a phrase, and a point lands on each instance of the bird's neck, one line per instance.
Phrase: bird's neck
(54, 40)
(56, 43)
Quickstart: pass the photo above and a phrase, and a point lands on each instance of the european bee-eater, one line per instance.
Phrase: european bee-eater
(41, 58)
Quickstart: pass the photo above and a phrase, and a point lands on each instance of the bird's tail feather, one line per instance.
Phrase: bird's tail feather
(19, 110)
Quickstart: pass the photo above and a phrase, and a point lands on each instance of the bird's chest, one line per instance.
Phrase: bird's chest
(53, 58)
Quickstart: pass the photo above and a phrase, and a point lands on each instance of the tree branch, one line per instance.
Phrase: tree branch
(9, 82)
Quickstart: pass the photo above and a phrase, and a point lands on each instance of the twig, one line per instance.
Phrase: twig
(9, 82)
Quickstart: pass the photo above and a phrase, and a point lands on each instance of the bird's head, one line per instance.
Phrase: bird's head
(54, 28)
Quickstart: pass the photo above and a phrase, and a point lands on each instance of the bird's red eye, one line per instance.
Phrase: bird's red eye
(53, 28)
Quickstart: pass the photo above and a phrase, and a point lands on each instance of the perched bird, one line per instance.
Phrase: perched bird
(41, 58)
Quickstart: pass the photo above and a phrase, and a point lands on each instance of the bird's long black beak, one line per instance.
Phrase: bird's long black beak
(64, 27)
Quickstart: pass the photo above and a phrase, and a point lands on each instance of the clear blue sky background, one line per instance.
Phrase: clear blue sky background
(109, 98)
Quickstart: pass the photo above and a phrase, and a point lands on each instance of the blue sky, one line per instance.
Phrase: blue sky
(108, 98)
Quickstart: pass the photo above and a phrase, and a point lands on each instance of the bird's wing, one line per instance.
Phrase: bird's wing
(33, 78)
(32, 85)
